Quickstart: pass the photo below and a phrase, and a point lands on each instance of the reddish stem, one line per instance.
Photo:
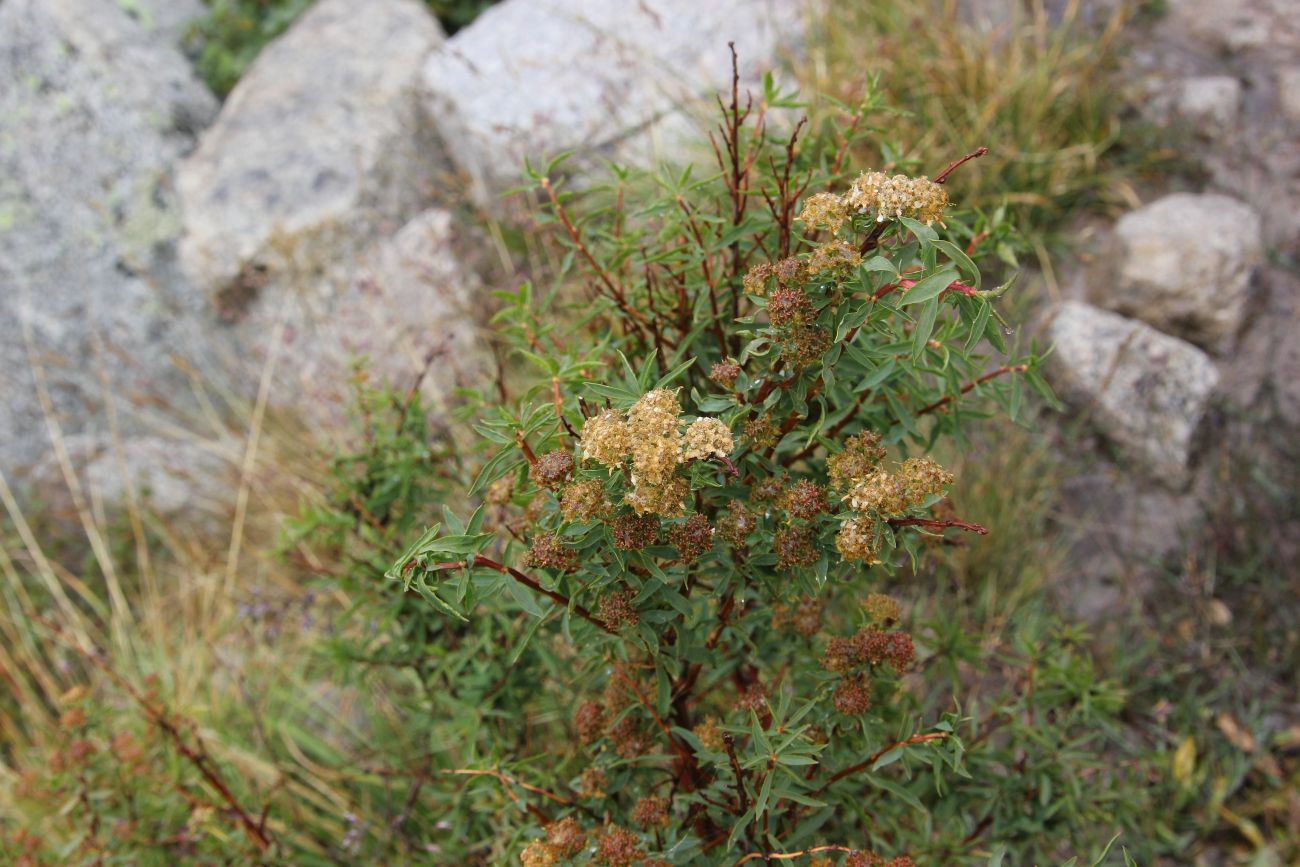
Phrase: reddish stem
(955, 164)
(937, 524)
(530, 583)
(965, 389)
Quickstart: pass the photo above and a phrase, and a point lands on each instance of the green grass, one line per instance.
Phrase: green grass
(1041, 94)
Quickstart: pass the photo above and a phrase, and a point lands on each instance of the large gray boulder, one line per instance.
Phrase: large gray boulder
(320, 145)
(1183, 264)
(406, 305)
(94, 108)
(533, 78)
(1144, 391)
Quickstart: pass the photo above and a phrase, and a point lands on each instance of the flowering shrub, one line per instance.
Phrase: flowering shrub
(694, 504)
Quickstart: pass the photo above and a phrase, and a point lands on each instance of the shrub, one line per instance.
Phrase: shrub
(665, 639)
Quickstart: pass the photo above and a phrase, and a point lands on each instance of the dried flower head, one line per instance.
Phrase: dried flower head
(807, 618)
(833, 256)
(803, 345)
(605, 438)
(861, 455)
(539, 853)
(924, 478)
(548, 552)
(592, 783)
(692, 538)
(853, 695)
(630, 738)
(566, 836)
(617, 847)
(655, 412)
(805, 500)
(634, 532)
(825, 211)
(857, 541)
(769, 488)
(552, 468)
(794, 548)
(498, 493)
(667, 500)
(583, 500)
(753, 698)
(589, 721)
(725, 372)
(879, 492)
(651, 812)
(761, 432)
(893, 196)
(789, 271)
(883, 610)
(757, 278)
(709, 734)
(736, 523)
(616, 610)
(706, 438)
(790, 307)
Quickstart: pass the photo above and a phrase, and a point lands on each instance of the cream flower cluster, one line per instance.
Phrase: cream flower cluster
(874, 492)
(651, 437)
(886, 196)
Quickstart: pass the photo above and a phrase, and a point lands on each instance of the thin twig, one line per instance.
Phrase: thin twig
(965, 389)
(955, 164)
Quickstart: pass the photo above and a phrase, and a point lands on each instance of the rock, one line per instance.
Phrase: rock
(171, 18)
(1144, 391)
(1234, 27)
(319, 146)
(533, 78)
(1183, 264)
(93, 111)
(405, 304)
(174, 479)
(1211, 102)
(1288, 91)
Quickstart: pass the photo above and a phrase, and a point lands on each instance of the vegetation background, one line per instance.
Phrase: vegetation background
(258, 691)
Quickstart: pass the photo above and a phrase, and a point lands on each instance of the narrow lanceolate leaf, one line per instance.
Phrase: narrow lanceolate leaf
(924, 328)
(929, 288)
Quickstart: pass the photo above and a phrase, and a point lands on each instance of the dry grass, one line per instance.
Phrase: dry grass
(1039, 93)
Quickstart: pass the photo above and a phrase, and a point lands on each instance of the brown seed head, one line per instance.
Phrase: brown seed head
(583, 500)
(589, 721)
(566, 836)
(651, 812)
(805, 499)
(634, 532)
(725, 372)
(548, 552)
(794, 548)
(853, 695)
(618, 847)
(692, 538)
(616, 610)
(736, 523)
(552, 468)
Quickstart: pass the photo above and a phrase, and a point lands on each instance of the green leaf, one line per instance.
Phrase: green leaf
(924, 328)
(896, 789)
(929, 288)
(962, 261)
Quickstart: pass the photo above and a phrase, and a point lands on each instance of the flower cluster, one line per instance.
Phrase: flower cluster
(868, 646)
(880, 194)
(893, 196)
(874, 493)
(894, 493)
(651, 436)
